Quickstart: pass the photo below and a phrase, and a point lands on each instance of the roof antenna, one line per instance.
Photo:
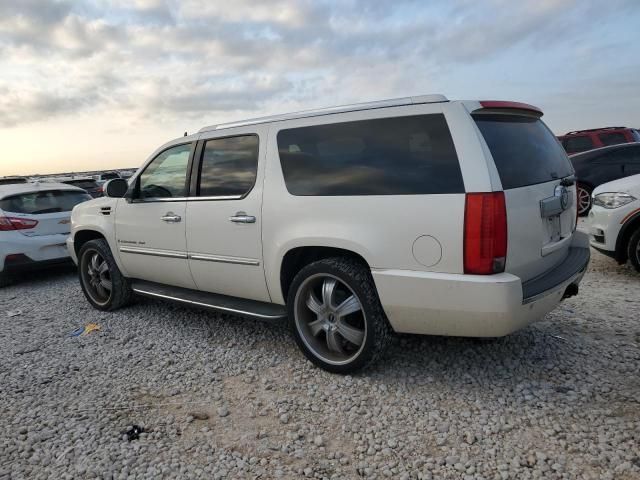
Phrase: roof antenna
(185, 134)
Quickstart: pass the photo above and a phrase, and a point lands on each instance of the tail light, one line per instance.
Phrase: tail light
(485, 233)
(15, 223)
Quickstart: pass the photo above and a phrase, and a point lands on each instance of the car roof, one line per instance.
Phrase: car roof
(34, 187)
(598, 151)
(590, 131)
(433, 98)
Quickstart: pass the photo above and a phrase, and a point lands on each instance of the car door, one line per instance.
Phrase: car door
(150, 226)
(631, 161)
(223, 220)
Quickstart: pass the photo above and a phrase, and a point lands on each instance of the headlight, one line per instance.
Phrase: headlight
(612, 200)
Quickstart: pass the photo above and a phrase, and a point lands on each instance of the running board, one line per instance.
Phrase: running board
(211, 301)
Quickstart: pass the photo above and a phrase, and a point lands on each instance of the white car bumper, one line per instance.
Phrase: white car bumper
(475, 305)
(18, 251)
(605, 225)
(71, 250)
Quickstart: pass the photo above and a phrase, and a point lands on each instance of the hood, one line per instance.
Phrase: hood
(630, 185)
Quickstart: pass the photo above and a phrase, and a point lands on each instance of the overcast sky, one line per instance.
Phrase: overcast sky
(100, 84)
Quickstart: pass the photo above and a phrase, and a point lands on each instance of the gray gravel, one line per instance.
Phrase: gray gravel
(221, 397)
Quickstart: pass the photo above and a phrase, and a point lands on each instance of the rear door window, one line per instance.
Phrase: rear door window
(386, 156)
(229, 166)
(50, 201)
(524, 149)
(580, 143)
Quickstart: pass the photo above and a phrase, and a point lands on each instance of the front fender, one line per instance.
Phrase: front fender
(96, 215)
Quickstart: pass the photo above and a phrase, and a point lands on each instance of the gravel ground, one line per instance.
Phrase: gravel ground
(221, 397)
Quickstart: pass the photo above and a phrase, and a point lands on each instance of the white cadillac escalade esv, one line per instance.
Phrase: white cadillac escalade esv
(417, 215)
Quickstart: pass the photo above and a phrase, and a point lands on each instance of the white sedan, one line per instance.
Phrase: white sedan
(614, 220)
(34, 224)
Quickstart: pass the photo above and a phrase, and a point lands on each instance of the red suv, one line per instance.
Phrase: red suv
(583, 140)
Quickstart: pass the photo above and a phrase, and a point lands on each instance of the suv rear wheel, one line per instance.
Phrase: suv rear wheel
(100, 278)
(335, 315)
(633, 250)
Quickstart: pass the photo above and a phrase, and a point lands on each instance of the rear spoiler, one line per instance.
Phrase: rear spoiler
(502, 105)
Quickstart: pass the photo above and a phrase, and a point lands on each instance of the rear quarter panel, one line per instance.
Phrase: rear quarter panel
(380, 228)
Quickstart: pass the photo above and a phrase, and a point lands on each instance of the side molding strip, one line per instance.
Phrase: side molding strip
(216, 258)
(153, 252)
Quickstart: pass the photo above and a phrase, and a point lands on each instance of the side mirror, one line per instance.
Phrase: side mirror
(116, 188)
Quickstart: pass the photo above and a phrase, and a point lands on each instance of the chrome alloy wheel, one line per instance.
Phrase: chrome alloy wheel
(96, 276)
(330, 319)
(584, 200)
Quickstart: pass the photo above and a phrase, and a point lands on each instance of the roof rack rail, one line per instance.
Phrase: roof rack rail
(435, 98)
(593, 130)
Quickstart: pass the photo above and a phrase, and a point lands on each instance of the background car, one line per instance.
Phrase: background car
(86, 183)
(614, 220)
(12, 180)
(35, 220)
(101, 178)
(583, 140)
(602, 165)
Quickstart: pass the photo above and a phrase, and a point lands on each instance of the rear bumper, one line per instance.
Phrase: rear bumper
(23, 264)
(19, 252)
(474, 305)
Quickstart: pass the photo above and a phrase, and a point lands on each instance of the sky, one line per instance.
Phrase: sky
(87, 85)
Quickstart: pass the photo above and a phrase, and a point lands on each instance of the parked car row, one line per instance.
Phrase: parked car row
(595, 167)
(474, 232)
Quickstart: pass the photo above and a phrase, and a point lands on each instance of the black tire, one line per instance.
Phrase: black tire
(354, 278)
(633, 250)
(584, 199)
(120, 293)
(5, 280)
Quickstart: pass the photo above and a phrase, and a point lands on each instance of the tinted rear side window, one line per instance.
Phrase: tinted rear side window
(524, 150)
(612, 138)
(577, 144)
(229, 166)
(50, 201)
(386, 156)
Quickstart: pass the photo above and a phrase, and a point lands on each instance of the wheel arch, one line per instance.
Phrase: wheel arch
(298, 257)
(622, 242)
(83, 236)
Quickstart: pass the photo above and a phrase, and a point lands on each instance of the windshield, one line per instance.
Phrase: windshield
(49, 201)
(524, 149)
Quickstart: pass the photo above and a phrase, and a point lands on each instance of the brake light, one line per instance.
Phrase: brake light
(15, 223)
(485, 233)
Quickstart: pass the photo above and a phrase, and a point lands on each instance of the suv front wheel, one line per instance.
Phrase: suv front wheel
(100, 278)
(335, 315)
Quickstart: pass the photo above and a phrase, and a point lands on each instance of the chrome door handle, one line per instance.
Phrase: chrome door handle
(171, 217)
(242, 217)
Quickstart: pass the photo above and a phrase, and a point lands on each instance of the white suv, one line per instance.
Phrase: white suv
(614, 220)
(417, 215)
